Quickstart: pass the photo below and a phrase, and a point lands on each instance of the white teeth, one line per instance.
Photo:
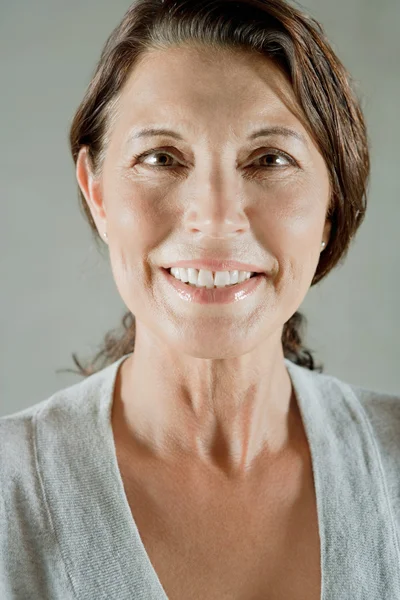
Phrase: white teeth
(209, 279)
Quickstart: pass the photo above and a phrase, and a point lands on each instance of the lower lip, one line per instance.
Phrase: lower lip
(225, 295)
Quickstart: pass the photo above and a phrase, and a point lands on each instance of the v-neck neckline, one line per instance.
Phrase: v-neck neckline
(98, 538)
(331, 422)
(127, 509)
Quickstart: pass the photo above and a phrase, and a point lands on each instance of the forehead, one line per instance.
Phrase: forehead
(199, 87)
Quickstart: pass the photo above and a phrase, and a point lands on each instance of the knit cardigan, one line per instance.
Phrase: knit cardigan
(67, 531)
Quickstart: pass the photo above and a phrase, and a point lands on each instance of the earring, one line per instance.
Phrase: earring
(105, 235)
(323, 245)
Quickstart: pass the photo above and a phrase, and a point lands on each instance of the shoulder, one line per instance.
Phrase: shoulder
(17, 446)
(21, 431)
(379, 410)
(63, 416)
(17, 429)
(38, 447)
(71, 402)
(28, 546)
(383, 413)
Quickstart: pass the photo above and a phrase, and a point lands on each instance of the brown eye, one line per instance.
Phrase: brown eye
(151, 153)
(273, 159)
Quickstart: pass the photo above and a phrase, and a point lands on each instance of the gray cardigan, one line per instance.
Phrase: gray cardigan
(66, 530)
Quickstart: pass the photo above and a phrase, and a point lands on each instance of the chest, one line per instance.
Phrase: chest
(247, 546)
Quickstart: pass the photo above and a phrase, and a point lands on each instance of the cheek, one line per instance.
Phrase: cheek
(137, 215)
(292, 216)
(291, 223)
(138, 227)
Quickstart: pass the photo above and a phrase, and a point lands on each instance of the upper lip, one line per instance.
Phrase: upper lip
(212, 264)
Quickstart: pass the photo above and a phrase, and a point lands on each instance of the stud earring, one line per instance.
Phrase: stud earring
(323, 245)
(105, 235)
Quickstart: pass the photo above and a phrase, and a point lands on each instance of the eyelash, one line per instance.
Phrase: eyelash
(278, 153)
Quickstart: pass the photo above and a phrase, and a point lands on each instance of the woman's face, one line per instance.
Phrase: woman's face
(213, 193)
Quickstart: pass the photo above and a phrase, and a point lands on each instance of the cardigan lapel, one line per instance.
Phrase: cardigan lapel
(100, 544)
(359, 549)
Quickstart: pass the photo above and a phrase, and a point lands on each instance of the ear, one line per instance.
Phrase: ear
(91, 189)
(327, 231)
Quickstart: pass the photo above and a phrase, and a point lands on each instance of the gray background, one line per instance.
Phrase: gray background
(58, 295)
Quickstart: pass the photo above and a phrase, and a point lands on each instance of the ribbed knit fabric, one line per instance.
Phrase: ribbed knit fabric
(67, 532)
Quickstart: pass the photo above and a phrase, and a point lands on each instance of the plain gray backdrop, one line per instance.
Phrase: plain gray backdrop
(57, 291)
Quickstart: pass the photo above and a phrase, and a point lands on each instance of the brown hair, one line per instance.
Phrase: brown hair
(322, 86)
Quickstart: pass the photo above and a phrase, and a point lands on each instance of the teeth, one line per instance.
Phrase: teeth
(209, 279)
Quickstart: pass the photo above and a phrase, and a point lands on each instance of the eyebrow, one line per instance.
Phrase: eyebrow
(266, 131)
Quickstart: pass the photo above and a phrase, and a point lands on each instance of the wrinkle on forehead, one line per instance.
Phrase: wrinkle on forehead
(278, 88)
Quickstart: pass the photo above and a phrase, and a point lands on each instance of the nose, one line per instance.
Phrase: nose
(217, 211)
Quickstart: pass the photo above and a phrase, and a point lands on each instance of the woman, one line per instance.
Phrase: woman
(207, 456)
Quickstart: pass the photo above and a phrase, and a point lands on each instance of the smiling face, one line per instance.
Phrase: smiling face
(214, 192)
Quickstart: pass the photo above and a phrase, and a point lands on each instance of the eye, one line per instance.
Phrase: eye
(153, 152)
(282, 158)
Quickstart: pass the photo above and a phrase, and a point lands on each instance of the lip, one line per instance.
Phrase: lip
(224, 295)
(212, 264)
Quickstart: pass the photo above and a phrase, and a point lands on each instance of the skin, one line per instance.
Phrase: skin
(207, 384)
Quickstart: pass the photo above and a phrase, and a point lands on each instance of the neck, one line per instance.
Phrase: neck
(223, 414)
